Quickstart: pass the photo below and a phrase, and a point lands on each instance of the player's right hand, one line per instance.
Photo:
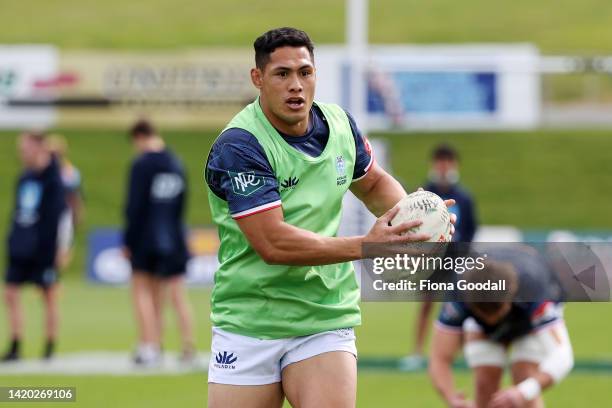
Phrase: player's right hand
(383, 232)
(458, 401)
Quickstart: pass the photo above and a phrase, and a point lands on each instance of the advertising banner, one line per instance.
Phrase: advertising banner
(106, 263)
(25, 74)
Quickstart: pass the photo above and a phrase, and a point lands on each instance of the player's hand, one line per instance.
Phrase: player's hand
(458, 401)
(383, 232)
(508, 398)
(453, 217)
(127, 254)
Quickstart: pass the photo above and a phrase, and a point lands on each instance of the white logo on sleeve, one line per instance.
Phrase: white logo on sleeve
(246, 183)
(166, 186)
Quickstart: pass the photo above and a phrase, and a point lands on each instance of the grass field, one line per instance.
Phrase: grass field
(374, 390)
(532, 180)
(99, 319)
(555, 26)
(542, 179)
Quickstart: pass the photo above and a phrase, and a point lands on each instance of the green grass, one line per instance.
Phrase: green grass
(534, 179)
(374, 390)
(545, 179)
(100, 318)
(96, 318)
(555, 26)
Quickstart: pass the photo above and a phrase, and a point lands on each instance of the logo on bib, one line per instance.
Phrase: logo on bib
(246, 183)
(289, 183)
(341, 170)
(225, 360)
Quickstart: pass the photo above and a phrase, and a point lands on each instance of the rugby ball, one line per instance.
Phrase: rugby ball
(429, 208)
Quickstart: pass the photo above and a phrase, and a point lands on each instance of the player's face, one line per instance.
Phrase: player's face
(444, 166)
(28, 150)
(445, 171)
(287, 87)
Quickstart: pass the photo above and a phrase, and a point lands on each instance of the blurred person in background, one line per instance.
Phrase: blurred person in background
(154, 241)
(522, 325)
(443, 181)
(33, 240)
(72, 217)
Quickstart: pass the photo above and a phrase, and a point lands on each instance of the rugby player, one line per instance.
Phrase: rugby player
(33, 240)
(530, 334)
(154, 240)
(285, 299)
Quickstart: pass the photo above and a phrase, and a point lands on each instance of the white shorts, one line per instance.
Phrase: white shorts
(483, 352)
(243, 360)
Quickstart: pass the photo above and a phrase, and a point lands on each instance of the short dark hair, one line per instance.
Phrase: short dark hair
(280, 37)
(142, 127)
(444, 152)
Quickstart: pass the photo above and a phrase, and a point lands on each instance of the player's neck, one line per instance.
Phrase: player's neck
(296, 129)
(153, 144)
(41, 162)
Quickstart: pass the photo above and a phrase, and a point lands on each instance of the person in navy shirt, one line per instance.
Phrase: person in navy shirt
(154, 240)
(33, 239)
(444, 181)
(523, 325)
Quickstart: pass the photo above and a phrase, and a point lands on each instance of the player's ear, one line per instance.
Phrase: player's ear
(256, 77)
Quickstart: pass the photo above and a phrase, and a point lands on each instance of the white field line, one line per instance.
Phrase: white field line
(103, 363)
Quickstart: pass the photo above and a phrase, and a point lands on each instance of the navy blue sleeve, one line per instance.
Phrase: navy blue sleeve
(364, 157)
(184, 194)
(545, 313)
(238, 171)
(452, 315)
(138, 187)
(51, 212)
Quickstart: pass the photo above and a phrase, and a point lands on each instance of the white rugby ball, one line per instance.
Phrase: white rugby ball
(429, 208)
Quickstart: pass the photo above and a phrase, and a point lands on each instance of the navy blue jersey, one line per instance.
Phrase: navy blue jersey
(535, 281)
(39, 203)
(238, 150)
(466, 224)
(155, 205)
(523, 318)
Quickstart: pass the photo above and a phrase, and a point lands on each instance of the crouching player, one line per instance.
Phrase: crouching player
(531, 334)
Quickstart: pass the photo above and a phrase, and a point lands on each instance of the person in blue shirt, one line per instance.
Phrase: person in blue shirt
(444, 181)
(522, 325)
(154, 240)
(33, 239)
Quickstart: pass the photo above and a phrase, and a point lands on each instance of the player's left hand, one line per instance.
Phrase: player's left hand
(508, 398)
(453, 217)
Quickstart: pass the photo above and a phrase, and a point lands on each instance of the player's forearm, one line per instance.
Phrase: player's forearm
(555, 367)
(295, 246)
(442, 378)
(544, 380)
(384, 194)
